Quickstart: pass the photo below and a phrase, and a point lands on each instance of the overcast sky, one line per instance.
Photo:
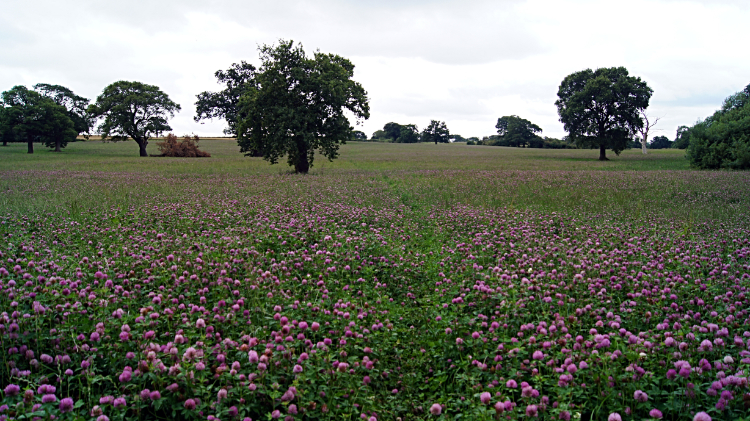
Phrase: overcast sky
(464, 62)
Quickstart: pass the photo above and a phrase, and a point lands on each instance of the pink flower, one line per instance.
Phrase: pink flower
(640, 396)
(253, 357)
(66, 405)
(189, 404)
(511, 384)
(297, 369)
(436, 409)
(531, 411)
(614, 417)
(200, 323)
(702, 416)
(537, 355)
(655, 413)
(485, 397)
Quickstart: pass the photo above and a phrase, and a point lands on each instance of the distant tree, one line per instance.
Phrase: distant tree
(380, 136)
(660, 142)
(392, 130)
(4, 129)
(225, 104)
(359, 136)
(133, 110)
(74, 104)
(457, 138)
(682, 138)
(518, 132)
(601, 108)
(646, 125)
(409, 133)
(296, 104)
(31, 117)
(436, 132)
(723, 139)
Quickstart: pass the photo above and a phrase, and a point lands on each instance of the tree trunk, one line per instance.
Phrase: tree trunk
(142, 145)
(5, 143)
(302, 165)
(643, 147)
(57, 145)
(31, 146)
(603, 153)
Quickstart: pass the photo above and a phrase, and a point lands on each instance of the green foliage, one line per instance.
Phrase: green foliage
(295, 105)
(517, 132)
(436, 132)
(660, 142)
(381, 136)
(601, 108)
(226, 103)
(74, 104)
(681, 138)
(408, 134)
(133, 110)
(723, 139)
(359, 136)
(31, 117)
(392, 130)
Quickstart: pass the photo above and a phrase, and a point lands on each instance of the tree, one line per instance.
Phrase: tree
(226, 103)
(409, 133)
(359, 136)
(75, 105)
(4, 128)
(660, 142)
(436, 132)
(133, 110)
(380, 136)
(601, 108)
(723, 139)
(645, 127)
(518, 132)
(392, 130)
(682, 138)
(295, 106)
(31, 117)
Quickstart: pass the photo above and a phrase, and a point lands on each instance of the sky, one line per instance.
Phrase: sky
(463, 62)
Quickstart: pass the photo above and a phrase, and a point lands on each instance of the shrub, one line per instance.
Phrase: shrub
(187, 148)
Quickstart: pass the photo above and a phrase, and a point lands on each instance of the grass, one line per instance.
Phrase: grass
(93, 174)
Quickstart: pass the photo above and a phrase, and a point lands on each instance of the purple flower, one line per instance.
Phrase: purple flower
(511, 384)
(155, 395)
(614, 417)
(565, 416)
(145, 394)
(12, 390)
(640, 396)
(119, 402)
(537, 355)
(655, 413)
(702, 416)
(49, 398)
(189, 404)
(531, 411)
(66, 405)
(485, 397)
(102, 418)
(125, 376)
(297, 369)
(436, 409)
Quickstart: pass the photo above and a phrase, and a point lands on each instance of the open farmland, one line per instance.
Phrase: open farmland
(399, 282)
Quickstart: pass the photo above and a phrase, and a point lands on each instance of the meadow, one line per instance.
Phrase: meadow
(399, 282)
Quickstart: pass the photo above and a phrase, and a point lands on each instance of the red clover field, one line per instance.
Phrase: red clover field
(400, 282)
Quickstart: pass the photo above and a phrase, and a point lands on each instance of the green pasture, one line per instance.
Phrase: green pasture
(91, 175)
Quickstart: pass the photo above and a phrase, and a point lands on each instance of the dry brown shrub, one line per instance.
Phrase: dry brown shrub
(185, 148)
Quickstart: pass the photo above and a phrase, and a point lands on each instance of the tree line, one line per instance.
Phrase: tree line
(294, 105)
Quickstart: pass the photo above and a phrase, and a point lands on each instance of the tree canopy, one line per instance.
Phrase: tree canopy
(74, 104)
(518, 132)
(601, 108)
(226, 103)
(723, 139)
(436, 132)
(295, 105)
(31, 117)
(660, 142)
(133, 110)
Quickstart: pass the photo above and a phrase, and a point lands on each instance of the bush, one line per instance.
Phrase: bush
(187, 148)
(723, 139)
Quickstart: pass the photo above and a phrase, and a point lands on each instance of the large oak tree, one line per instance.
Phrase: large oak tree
(133, 110)
(294, 105)
(31, 117)
(601, 108)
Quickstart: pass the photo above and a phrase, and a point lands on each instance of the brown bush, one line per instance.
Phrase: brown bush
(185, 148)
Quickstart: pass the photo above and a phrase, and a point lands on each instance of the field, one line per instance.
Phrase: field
(398, 282)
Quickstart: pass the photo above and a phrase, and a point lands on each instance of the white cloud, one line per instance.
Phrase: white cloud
(465, 62)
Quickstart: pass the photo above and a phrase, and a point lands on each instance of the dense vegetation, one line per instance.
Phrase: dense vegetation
(367, 292)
